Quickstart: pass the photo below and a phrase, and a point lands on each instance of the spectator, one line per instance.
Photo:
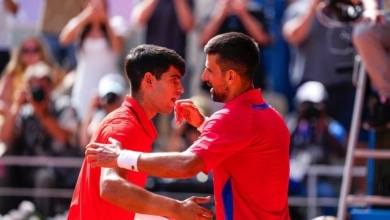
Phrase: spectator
(38, 125)
(167, 23)
(55, 15)
(30, 51)
(320, 33)
(244, 16)
(371, 37)
(6, 7)
(111, 93)
(99, 43)
(313, 142)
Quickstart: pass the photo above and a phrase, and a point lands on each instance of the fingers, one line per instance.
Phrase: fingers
(207, 213)
(92, 145)
(200, 200)
(114, 141)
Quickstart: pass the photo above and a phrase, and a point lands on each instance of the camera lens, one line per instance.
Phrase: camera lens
(110, 98)
(38, 94)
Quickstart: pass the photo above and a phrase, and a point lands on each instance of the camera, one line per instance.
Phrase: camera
(347, 11)
(110, 98)
(38, 94)
(310, 111)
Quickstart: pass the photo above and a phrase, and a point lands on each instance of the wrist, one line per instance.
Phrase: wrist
(200, 127)
(128, 159)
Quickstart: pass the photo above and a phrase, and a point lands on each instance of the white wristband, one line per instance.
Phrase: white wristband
(128, 159)
(200, 128)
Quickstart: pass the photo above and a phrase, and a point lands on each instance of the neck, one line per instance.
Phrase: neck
(145, 105)
(239, 91)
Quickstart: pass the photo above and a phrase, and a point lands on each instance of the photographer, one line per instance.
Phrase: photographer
(37, 125)
(320, 36)
(110, 95)
(313, 141)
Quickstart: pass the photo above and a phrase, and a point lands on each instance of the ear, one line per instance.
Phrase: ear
(231, 75)
(148, 79)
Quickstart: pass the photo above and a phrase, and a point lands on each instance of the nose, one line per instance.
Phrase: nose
(204, 76)
(180, 89)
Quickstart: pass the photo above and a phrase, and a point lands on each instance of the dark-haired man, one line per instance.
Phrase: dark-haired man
(245, 144)
(114, 193)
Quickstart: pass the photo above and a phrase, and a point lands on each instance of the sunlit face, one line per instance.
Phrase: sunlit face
(167, 90)
(215, 78)
(31, 52)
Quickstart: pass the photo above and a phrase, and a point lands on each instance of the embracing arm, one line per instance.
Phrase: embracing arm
(116, 189)
(170, 164)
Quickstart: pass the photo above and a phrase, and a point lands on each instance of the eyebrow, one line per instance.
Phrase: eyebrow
(175, 75)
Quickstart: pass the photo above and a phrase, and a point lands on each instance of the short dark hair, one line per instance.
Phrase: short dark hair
(150, 58)
(235, 51)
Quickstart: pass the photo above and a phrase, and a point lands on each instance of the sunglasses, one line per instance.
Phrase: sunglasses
(32, 50)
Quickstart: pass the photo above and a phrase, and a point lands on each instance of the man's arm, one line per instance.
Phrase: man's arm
(116, 189)
(296, 30)
(11, 6)
(167, 164)
(372, 12)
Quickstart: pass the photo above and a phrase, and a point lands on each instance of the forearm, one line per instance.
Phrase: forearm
(54, 129)
(117, 190)
(212, 26)
(370, 4)
(115, 40)
(143, 11)
(8, 126)
(73, 28)
(184, 15)
(297, 29)
(255, 28)
(170, 165)
(11, 6)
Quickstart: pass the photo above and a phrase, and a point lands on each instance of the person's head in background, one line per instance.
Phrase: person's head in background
(155, 77)
(231, 62)
(30, 51)
(39, 79)
(310, 101)
(99, 11)
(111, 91)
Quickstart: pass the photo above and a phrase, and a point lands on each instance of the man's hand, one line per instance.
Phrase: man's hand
(185, 109)
(103, 155)
(190, 209)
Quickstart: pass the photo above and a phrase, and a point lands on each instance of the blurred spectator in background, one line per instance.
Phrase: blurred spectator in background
(314, 140)
(320, 35)
(38, 125)
(275, 56)
(167, 24)
(371, 38)
(99, 43)
(55, 15)
(110, 95)
(244, 16)
(6, 7)
(30, 51)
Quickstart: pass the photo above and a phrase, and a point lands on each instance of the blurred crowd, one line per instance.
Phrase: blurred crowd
(57, 85)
